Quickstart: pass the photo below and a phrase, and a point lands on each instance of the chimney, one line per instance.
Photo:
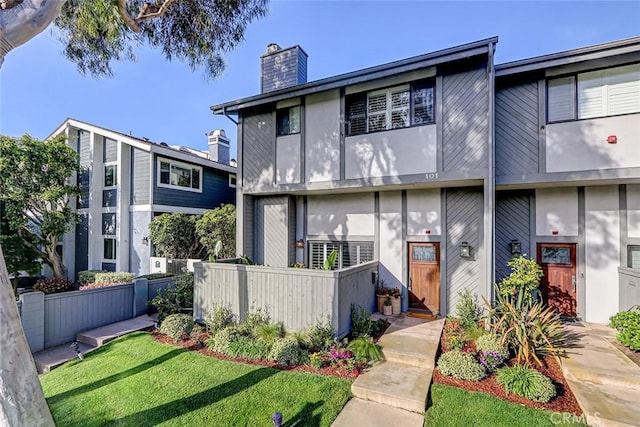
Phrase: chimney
(219, 146)
(282, 68)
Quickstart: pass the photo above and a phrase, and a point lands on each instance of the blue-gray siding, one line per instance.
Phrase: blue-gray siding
(465, 127)
(258, 155)
(512, 223)
(82, 244)
(464, 210)
(140, 177)
(248, 227)
(215, 191)
(517, 131)
(109, 150)
(629, 279)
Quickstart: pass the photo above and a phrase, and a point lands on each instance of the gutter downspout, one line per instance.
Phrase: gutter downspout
(224, 112)
(490, 187)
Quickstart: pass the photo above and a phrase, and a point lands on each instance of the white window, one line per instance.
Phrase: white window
(349, 253)
(593, 94)
(177, 175)
(232, 181)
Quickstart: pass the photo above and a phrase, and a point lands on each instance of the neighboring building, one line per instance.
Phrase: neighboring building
(401, 163)
(126, 182)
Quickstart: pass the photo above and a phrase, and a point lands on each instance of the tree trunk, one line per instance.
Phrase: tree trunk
(55, 261)
(23, 21)
(22, 401)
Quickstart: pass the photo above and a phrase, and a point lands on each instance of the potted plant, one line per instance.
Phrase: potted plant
(381, 295)
(387, 308)
(396, 307)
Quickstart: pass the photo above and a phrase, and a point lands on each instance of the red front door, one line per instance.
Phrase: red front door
(558, 285)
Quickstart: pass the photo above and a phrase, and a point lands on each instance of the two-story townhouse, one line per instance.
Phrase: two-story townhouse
(393, 163)
(125, 182)
(568, 172)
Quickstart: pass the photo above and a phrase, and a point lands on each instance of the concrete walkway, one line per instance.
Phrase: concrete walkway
(394, 392)
(604, 381)
(52, 357)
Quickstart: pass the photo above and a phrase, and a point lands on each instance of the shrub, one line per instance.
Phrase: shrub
(627, 323)
(218, 317)
(177, 326)
(117, 277)
(97, 286)
(222, 340)
(174, 299)
(153, 276)
(302, 338)
(527, 383)
(255, 317)
(490, 360)
(53, 286)
(88, 276)
(270, 332)
(248, 348)
(461, 365)
(529, 332)
(218, 225)
(174, 236)
(363, 348)
(286, 351)
(467, 309)
(521, 287)
(491, 343)
(199, 335)
(455, 335)
(361, 323)
(321, 335)
(316, 360)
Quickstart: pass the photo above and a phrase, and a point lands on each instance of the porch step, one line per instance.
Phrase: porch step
(412, 342)
(358, 412)
(395, 384)
(607, 405)
(100, 336)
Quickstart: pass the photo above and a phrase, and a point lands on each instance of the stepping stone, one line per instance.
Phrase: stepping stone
(100, 336)
(358, 412)
(394, 384)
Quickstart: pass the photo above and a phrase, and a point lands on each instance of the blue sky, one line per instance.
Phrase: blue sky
(167, 102)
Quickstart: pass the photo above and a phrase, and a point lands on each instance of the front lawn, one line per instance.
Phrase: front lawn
(452, 406)
(139, 382)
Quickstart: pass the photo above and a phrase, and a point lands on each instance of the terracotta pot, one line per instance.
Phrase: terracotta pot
(380, 302)
(387, 310)
(396, 306)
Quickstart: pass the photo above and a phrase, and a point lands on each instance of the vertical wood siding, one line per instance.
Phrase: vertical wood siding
(248, 227)
(464, 224)
(512, 222)
(272, 225)
(68, 313)
(465, 126)
(517, 129)
(140, 177)
(297, 297)
(258, 155)
(109, 150)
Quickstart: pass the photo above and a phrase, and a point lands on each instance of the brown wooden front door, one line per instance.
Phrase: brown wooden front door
(424, 276)
(558, 285)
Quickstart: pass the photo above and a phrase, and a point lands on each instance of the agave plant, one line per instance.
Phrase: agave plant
(530, 332)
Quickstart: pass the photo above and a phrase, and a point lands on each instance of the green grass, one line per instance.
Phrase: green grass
(452, 406)
(135, 381)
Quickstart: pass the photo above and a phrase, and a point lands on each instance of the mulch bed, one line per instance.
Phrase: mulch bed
(564, 401)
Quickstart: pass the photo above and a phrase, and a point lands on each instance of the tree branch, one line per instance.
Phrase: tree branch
(129, 20)
(150, 11)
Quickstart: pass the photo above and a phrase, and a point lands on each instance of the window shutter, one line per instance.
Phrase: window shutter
(561, 99)
(400, 109)
(592, 95)
(623, 90)
(377, 112)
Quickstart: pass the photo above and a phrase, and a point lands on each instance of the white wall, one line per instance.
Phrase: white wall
(288, 159)
(424, 214)
(602, 235)
(557, 210)
(341, 215)
(633, 209)
(391, 153)
(322, 136)
(391, 238)
(582, 145)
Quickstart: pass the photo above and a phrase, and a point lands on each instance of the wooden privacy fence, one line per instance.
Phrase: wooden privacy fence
(50, 320)
(298, 297)
(629, 282)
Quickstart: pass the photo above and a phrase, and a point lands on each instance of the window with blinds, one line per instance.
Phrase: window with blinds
(349, 253)
(601, 93)
(633, 257)
(391, 108)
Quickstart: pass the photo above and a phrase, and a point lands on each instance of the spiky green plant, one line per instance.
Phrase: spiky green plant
(363, 348)
(527, 383)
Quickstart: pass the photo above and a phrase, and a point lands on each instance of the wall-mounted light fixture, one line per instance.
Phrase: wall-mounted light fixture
(516, 247)
(145, 240)
(300, 244)
(465, 250)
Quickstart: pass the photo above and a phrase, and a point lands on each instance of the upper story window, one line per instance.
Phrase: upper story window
(232, 181)
(181, 176)
(288, 120)
(111, 175)
(391, 108)
(601, 93)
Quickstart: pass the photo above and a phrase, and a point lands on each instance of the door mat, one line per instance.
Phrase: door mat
(421, 315)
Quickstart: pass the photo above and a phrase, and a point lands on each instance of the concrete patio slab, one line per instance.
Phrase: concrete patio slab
(358, 412)
(607, 406)
(52, 357)
(99, 336)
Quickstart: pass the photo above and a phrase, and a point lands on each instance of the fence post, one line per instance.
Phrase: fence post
(140, 296)
(32, 317)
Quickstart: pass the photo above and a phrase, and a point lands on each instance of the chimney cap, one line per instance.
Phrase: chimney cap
(273, 47)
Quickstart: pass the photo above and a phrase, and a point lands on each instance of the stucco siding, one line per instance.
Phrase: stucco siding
(633, 210)
(322, 136)
(341, 216)
(557, 211)
(288, 159)
(391, 241)
(424, 214)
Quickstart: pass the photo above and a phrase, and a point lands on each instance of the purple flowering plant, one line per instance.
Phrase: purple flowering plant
(490, 360)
